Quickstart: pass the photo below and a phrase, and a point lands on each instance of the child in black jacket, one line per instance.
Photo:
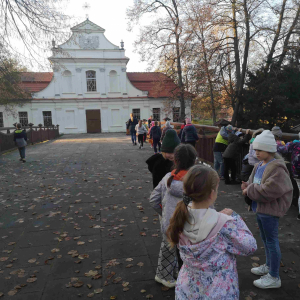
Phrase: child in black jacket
(20, 139)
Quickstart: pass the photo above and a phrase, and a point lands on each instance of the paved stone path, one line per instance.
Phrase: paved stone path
(77, 214)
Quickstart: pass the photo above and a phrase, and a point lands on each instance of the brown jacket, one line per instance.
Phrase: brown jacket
(274, 194)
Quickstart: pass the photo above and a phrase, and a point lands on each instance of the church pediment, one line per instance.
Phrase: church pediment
(87, 27)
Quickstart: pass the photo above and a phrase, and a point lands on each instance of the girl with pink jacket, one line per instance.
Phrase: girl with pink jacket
(208, 240)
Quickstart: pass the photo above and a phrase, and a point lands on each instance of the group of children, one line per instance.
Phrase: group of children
(201, 243)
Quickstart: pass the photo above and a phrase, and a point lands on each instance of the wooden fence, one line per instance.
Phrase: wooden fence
(207, 136)
(35, 134)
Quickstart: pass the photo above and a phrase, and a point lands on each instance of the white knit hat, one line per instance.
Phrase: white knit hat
(265, 142)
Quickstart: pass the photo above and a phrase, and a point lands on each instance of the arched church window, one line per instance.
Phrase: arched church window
(113, 81)
(67, 81)
(91, 81)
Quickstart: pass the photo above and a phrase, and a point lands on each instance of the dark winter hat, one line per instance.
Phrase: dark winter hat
(170, 141)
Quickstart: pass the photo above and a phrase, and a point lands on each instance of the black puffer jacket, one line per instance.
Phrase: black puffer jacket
(235, 145)
(131, 124)
(189, 134)
(155, 133)
(159, 167)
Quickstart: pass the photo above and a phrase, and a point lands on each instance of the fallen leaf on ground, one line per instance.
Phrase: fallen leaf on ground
(248, 298)
(89, 286)
(91, 273)
(129, 259)
(255, 265)
(98, 291)
(78, 284)
(125, 289)
(12, 292)
(90, 295)
(255, 258)
(55, 250)
(149, 296)
(31, 261)
(1, 294)
(129, 266)
(140, 264)
(80, 243)
(118, 279)
(164, 288)
(124, 284)
(113, 297)
(31, 279)
(3, 258)
(143, 291)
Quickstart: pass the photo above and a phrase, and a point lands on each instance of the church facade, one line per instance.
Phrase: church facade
(90, 90)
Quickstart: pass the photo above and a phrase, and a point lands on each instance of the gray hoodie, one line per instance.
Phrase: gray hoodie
(164, 200)
(140, 130)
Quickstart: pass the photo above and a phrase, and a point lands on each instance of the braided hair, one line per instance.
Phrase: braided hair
(184, 158)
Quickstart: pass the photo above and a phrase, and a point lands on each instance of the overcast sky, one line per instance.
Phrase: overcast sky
(110, 15)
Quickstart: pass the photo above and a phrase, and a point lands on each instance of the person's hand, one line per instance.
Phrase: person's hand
(227, 211)
(247, 131)
(240, 129)
(245, 192)
(244, 185)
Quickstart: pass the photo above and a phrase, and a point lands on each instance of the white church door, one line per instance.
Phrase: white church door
(93, 121)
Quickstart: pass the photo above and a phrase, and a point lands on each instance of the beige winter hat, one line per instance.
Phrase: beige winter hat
(265, 142)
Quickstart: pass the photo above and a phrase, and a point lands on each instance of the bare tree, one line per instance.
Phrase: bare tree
(29, 25)
(32, 24)
(164, 35)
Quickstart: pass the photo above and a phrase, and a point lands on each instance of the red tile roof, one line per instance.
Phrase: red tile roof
(157, 84)
(35, 81)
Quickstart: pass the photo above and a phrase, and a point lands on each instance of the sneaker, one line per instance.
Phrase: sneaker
(261, 270)
(135, 143)
(140, 147)
(298, 218)
(23, 160)
(169, 284)
(267, 282)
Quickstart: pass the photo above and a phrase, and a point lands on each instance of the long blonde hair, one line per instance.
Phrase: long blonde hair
(198, 184)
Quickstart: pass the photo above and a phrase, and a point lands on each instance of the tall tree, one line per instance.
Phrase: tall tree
(11, 91)
(163, 35)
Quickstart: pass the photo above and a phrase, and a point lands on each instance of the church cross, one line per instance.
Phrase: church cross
(86, 6)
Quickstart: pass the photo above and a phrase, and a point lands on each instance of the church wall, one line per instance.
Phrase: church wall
(70, 115)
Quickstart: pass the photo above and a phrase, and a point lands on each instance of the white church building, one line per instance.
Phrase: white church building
(89, 90)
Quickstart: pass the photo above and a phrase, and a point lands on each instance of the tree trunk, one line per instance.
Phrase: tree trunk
(210, 85)
(179, 69)
(272, 50)
(237, 62)
(287, 38)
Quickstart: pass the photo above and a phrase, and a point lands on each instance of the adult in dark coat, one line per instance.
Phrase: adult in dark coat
(161, 164)
(189, 133)
(132, 122)
(231, 153)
